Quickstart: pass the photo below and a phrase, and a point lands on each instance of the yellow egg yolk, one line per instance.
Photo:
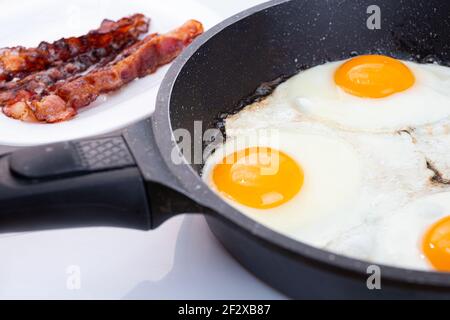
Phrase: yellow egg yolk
(374, 76)
(258, 177)
(436, 245)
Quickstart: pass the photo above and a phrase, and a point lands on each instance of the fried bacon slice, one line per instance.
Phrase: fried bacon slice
(137, 61)
(36, 84)
(19, 62)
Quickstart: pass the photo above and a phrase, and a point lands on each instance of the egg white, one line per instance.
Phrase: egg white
(323, 207)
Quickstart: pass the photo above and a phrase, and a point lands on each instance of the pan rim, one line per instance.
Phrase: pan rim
(201, 193)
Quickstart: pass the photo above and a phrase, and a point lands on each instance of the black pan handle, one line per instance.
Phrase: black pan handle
(76, 184)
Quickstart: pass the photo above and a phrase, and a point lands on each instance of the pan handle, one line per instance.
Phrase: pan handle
(72, 184)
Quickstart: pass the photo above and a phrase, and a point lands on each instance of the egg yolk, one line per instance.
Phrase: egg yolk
(436, 245)
(374, 76)
(258, 177)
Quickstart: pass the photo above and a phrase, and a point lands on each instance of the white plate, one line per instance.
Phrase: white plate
(29, 22)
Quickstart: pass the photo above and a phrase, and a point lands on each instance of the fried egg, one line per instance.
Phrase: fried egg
(417, 236)
(368, 93)
(373, 93)
(298, 184)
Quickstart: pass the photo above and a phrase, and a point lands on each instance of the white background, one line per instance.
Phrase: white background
(180, 260)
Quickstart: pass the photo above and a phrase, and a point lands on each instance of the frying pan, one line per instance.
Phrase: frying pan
(132, 181)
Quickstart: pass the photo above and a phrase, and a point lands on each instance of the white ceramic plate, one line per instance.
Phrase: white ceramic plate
(29, 22)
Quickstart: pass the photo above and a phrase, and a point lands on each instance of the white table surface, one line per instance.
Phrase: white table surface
(180, 260)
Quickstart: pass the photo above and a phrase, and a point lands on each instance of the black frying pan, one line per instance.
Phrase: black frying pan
(131, 181)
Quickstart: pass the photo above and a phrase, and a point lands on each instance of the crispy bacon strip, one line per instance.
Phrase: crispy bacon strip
(19, 62)
(137, 61)
(37, 84)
